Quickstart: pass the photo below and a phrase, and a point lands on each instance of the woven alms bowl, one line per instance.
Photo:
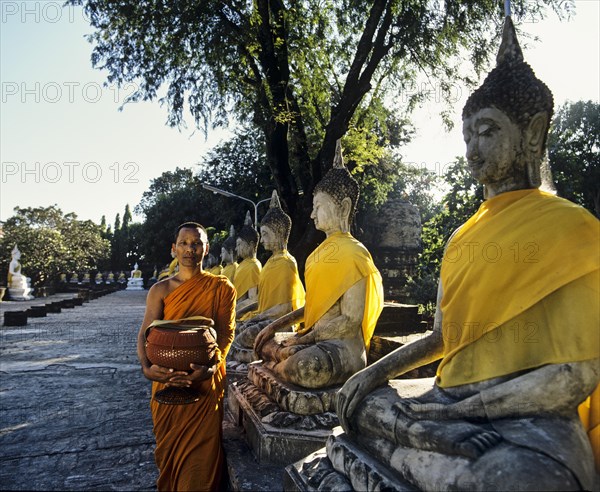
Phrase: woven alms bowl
(177, 349)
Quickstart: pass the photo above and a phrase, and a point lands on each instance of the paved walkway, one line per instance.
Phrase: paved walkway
(74, 406)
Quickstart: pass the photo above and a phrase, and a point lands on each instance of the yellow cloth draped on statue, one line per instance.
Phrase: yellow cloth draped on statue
(280, 283)
(229, 271)
(247, 276)
(331, 269)
(522, 287)
(216, 270)
(189, 453)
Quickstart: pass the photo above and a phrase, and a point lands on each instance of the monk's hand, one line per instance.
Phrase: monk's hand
(201, 373)
(163, 375)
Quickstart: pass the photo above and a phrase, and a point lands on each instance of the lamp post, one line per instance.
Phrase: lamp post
(233, 195)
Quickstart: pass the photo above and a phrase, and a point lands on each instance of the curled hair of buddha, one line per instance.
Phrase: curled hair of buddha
(276, 219)
(248, 233)
(229, 243)
(512, 86)
(338, 183)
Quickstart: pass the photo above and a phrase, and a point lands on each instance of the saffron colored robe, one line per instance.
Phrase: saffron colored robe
(520, 284)
(247, 276)
(229, 271)
(331, 269)
(189, 452)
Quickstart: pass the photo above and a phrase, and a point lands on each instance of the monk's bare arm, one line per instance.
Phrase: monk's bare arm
(154, 310)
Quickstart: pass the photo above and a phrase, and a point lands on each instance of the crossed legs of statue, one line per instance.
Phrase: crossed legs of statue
(446, 454)
(315, 366)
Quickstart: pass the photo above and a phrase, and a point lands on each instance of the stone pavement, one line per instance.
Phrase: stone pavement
(74, 406)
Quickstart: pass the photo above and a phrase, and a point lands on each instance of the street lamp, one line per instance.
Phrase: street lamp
(233, 195)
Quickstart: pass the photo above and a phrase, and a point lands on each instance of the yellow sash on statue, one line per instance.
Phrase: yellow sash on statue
(229, 271)
(502, 262)
(331, 269)
(280, 283)
(246, 276)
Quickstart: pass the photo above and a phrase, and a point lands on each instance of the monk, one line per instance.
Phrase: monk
(516, 324)
(344, 297)
(189, 452)
(228, 256)
(247, 273)
(280, 290)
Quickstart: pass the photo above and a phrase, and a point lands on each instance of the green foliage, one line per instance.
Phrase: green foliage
(574, 153)
(51, 243)
(462, 200)
(303, 74)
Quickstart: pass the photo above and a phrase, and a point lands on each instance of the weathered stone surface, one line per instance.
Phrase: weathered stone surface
(289, 397)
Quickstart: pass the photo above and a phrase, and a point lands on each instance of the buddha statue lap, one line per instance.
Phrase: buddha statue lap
(248, 271)
(518, 338)
(280, 290)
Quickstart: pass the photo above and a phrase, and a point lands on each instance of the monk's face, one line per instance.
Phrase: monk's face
(326, 213)
(493, 147)
(191, 246)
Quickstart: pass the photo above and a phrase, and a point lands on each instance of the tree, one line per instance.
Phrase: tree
(52, 243)
(574, 153)
(463, 198)
(304, 73)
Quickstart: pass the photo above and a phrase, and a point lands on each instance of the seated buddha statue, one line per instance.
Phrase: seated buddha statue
(86, 278)
(280, 290)
(229, 255)
(344, 297)
(110, 278)
(213, 265)
(99, 279)
(74, 278)
(248, 271)
(516, 326)
(16, 279)
(136, 272)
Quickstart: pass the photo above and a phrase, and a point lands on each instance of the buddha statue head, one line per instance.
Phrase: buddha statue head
(506, 121)
(335, 197)
(275, 226)
(228, 254)
(247, 240)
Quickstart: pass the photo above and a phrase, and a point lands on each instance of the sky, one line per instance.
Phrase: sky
(64, 141)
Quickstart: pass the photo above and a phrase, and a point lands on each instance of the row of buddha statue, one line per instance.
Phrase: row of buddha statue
(504, 411)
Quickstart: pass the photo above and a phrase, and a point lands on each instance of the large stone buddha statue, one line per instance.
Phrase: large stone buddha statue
(280, 290)
(344, 297)
(248, 271)
(516, 327)
(229, 256)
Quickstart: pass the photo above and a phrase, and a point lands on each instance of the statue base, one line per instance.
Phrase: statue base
(341, 465)
(135, 284)
(25, 294)
(269, 432)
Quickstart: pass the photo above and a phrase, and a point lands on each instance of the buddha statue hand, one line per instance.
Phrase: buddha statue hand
(354, 391)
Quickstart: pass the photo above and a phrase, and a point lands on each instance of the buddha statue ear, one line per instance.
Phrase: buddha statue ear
(534, 140)
(345, 213)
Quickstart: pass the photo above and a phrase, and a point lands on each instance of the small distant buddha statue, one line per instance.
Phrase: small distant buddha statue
(229, 255)
(136, 273)
(86, 278)
(63, 278)
(122, 277)
(110, 278)
(248, 271)
(517, 329)
(99, 279)
(280, 290)
(344, 297)
(19, 286)
(74, 278)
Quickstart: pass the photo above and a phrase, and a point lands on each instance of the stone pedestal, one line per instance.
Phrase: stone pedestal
(22, 294)
(283, 423)
(341, 465)
(135, 284)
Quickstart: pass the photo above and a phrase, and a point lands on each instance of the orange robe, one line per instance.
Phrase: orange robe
(189, 452)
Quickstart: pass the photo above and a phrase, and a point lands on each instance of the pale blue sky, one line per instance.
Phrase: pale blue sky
(63, 140)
